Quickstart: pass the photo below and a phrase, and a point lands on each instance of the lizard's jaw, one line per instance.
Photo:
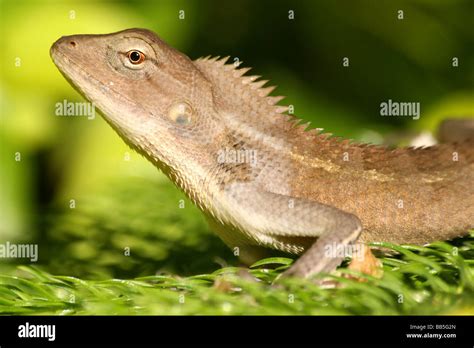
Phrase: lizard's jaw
(126, 116)
(63, 54)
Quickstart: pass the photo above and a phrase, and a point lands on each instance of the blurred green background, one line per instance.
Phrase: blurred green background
(121, 201)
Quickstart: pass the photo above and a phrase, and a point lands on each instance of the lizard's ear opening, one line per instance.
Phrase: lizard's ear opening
(181, 113)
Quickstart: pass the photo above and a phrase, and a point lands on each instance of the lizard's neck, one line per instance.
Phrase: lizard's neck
(255, 117)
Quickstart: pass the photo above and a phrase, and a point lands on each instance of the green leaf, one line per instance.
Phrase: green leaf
(273, 260)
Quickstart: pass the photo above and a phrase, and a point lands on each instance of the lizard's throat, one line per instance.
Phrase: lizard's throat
(189, 177)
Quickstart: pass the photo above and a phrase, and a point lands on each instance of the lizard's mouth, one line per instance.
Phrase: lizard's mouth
(117, 109)
(86, 83)
(62, 52)
(93, 89)
(69, 68)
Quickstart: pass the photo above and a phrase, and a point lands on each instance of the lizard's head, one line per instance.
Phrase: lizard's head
(153, 95)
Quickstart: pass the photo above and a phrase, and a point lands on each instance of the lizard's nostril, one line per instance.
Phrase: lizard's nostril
(72, 44)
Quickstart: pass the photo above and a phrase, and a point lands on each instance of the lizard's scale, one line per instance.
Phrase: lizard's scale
(377, 184)
(305, 190)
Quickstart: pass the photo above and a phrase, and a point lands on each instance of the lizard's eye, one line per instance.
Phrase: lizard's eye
(135, 57)
(181, 113)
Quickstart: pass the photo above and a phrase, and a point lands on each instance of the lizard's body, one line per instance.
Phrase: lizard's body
(303, 185)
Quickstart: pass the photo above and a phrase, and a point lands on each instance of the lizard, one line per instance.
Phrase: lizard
(304, 192)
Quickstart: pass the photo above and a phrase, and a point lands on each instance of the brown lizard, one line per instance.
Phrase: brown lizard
(262, 180)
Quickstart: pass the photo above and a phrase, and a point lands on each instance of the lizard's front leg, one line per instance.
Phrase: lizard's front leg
(273, 220)
(329, 250)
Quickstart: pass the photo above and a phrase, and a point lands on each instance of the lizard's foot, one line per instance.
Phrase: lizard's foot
(365, 262)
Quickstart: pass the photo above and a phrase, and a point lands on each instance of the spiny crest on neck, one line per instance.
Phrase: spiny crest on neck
(250, 96)
(260, 111)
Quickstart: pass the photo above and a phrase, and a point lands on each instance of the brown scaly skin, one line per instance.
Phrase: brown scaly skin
(304, 186)
(368, 181)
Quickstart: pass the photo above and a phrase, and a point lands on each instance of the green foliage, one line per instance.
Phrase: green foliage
(162, 230)
(173, 254)
(438, 279)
